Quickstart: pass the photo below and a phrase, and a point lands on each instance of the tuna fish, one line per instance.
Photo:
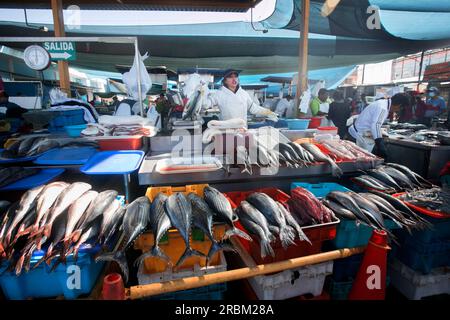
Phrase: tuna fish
(339, 210)
(320, 156)
(222, 207)
(255, 229)
(134, 223)
(291, 221)
(159, 223)
(179, 210)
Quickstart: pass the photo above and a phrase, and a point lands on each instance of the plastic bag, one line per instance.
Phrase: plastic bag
(130, 78)
(57, 96)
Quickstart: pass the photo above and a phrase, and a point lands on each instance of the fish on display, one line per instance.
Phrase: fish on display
(25, 145)
(412, 176)
(42, 145)
(251, 213)
(269, 208)
(256, 229)
(11, 175)
(134, 223)
(222, 207)
(159, 224)
(371, 210)
(345, 200)
(179, 210)
(193, 106)
(27, 202)
(371, 183)
(398, 176)
(320, 156)
(291, 222)
(5, 224)
(307, 208)
(384, 178)
(339, 209)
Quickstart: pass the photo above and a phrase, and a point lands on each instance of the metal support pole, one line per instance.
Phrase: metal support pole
(126, 178)
(138, 55)
(302, 82)
(419, 81)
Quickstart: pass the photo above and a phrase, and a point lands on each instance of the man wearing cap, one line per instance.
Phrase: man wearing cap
(435, 105)
(234, 102)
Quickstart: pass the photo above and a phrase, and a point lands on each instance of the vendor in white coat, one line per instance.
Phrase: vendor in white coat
(234, 102)
(366, 128)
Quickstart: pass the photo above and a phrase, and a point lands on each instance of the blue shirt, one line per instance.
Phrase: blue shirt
(439, 102)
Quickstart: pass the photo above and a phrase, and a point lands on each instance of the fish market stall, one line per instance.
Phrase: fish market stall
(425, 158)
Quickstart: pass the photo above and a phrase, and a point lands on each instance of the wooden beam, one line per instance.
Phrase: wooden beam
(302, 82)
(63, 66)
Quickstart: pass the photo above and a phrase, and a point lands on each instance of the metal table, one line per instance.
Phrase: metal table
(424, 158)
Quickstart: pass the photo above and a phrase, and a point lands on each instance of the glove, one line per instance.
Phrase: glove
(381, 148)
(272, 117)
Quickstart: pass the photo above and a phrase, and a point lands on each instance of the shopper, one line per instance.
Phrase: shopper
(320, 105)
(339, 113)
(285, 107)
(435, 105)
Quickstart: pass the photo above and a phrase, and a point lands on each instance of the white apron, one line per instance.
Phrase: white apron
(363, 139)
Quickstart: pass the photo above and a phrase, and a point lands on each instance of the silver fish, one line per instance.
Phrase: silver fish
(320, 156)
(179, 210)
(159, 223)
(269, 208)
(291, 221)
(255, 229)
(134, 223)
(339, 210)
(251, 213)
(222, 207)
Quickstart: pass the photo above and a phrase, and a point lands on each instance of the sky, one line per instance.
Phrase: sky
(137, 18)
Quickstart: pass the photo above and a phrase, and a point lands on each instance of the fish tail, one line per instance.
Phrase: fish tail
(39, 262)
(188, 253)
(238, 233)
(19, 265)
(335, 170)
(75, 236)
(154, 252)
(266, 248)
(302, 236)
(287, 236)
(218, 246)
(119, 258)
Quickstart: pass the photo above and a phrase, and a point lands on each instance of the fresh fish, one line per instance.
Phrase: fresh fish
(300, 152)
(25, 145)
(46, 200)
(308, 208)
(95, 209)
(5, 224)
(64, 200)
(411, 175)
(255, 229)
(287, 149)
(25, 225)
(291, 221)
(192, 106)
(116, 222)
(385, 178)
(269, 208)
(42, 145)
(370, 184)
(159, 223)
(347, 201)
(109, 215)
(4, 205)
(222, 207)
(398, 176)
(27, 202)
(16, 175)
(56, 235)
(179, 210)
(76, 211)
(134, 223)
(242, 157)
(249, 212)
(91, 233)
(7, 173)
(371, 208)
(339, 210)
(320, 156)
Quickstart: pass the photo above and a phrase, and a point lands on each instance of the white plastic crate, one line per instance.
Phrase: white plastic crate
(292, 283)
(416, 286)
(144, 278)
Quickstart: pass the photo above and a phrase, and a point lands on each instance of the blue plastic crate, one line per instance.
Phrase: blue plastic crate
(445, 180)
(423, 257)
(41, 283)
(350, 235)
(347, 268)
(320, 190)
(66, 118)
(439, 232)
(339, 290)
(212, 292)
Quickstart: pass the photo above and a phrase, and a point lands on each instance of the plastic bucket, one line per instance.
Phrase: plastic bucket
(315, 122)
(75, 130)
(297, 124)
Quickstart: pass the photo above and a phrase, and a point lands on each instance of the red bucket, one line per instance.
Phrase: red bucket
(315, 122)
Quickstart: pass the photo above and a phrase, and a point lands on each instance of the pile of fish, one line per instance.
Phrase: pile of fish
(184, 212)
(58, 218)
(12, 174)
(35, 145)
(371, 209)
(283, 154)
(435, 199)
(392, 178)
(268, 219)
(307, 209)
(347, 150)
(407, 126)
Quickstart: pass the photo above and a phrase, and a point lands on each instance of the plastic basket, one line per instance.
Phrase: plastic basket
(317, 234)
(297, 124)
(152, 192)
(75, 130)
(339, 290)
(131, 143)
(320, 190)
(66, 118)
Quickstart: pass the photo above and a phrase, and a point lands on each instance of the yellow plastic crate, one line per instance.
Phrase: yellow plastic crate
(173, 244)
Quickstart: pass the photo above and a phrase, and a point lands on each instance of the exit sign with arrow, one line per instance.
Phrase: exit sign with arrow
(61, 50)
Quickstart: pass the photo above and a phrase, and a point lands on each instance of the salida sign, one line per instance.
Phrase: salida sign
(61, 50)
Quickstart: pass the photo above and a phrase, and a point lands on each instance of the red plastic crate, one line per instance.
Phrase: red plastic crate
(132, 143)
(425, 211)
(317, 234)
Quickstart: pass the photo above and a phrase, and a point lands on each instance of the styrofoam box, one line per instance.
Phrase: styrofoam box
(292, 283)
(169, 275)
(416, 286)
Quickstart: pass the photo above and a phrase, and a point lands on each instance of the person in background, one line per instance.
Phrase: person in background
(284, 107)
(10, 109)
(435, 105)
(363, 103)
(317, 102)
(366, 129)
(339, 113)
(405, 114)
(420, 109)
